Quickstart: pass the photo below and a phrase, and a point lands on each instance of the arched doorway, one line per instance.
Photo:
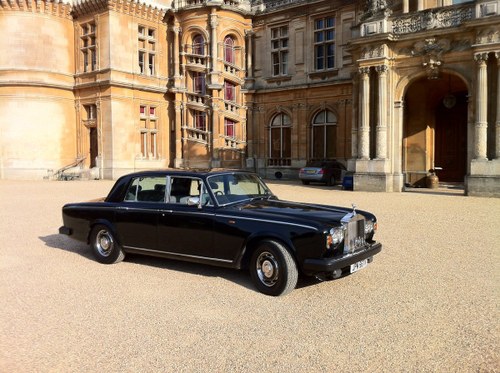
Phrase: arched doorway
(435, 129)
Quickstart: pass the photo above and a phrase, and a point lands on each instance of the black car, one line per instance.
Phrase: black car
(229, 219)
(327, 172)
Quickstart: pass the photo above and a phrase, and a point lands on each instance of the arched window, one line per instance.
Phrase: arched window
(229, 50)
(280, 140)
(324, 135)
(198, 45)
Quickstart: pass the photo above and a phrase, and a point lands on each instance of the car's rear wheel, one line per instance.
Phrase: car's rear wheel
(104, 245)
(273, 269)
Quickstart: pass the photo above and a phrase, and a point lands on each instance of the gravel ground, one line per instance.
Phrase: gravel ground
(429, 302)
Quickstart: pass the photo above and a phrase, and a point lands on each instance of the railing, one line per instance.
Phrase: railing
(60, 175)
(195, 98)
(231, 142)
(432, 19)
(279, 161)
(197, 135)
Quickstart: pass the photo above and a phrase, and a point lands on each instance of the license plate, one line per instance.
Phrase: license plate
(310, 172)
(359, 265)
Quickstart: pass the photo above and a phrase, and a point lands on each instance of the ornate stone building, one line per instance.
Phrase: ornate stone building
(392, 89)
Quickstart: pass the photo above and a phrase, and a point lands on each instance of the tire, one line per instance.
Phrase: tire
(305, 182)
(273, 269)
(104, 245)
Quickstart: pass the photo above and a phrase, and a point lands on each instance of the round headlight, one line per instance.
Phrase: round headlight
(337, 235)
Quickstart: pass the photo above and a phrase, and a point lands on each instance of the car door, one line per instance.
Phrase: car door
(186, 230)
(136, 218)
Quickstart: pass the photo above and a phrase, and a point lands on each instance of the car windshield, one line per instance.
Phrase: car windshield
(237, 187)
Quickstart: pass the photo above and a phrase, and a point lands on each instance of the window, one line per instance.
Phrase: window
(229, 126)
(279, 50)
(199, 83)
(229, 55)
(199, 120)
(88, 46)
(148, 132)
(147, 189)
(280, 140)
(91, 111)
(324, 43)
(324, 135)
(198, 45)
(147, 50)
(184, 188)
(229, 91)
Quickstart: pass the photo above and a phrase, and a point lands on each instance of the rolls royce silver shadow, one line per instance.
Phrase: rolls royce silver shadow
(224, 218)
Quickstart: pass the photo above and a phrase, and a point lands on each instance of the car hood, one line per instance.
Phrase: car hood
(305, 212)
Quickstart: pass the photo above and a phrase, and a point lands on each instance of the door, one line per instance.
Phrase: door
(93, 146)
(186, 230)
(450, 147)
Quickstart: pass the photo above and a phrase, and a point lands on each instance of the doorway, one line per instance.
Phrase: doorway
(435, 129)
(93, 146)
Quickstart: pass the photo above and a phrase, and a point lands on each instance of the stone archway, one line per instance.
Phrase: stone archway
(435, 129)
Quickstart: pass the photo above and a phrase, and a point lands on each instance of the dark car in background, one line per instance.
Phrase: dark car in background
(327, 172)
(223, 218)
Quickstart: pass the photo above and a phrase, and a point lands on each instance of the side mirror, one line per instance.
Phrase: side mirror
(194, 201)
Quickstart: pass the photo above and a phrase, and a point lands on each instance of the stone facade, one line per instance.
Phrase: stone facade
(392, 89)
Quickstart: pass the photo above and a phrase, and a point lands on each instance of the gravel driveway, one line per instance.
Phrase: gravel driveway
(429, 302)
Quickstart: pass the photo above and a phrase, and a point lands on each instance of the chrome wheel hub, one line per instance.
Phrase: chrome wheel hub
(104, 243)
(267, 269)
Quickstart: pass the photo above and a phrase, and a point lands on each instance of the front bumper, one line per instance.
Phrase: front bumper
(65, 230)
(312, 266)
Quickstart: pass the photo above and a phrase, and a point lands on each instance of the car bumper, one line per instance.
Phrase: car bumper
(65, 230)
(312, 266)
(311, 177)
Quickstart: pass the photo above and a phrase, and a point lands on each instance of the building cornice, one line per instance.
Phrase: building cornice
(47, 7)
(129, 7)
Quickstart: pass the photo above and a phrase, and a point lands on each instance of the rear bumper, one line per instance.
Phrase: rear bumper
(65, 230)
(312, 266)
(311, 177)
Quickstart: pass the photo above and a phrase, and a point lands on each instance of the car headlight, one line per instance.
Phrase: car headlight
(368, 226)
(335, 237)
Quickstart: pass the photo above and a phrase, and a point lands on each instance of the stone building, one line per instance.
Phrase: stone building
(392, 89)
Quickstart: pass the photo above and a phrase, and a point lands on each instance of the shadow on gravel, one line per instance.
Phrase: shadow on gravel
(61, 242)
(240, 277)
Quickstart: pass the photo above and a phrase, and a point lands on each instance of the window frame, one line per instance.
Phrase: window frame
(279, 50)
(146, 50)
(324, 46)
(325, 125)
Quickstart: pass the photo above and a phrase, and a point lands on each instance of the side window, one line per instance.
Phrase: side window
(182, 188)
(146, 189)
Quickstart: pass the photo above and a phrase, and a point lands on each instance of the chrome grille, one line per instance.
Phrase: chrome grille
(354, 234)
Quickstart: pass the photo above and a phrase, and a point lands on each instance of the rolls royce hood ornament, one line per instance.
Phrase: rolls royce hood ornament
(353, 209)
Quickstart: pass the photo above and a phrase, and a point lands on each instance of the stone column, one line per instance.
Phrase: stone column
(497, 133)
(249, 56)
(177, 31)
(406, 6)
(364, 127)
(381, 145)
(213, 40)
(481, 126)
(420, 5)
(179, 133)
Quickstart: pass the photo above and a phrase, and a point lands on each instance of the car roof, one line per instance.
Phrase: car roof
(191, 172)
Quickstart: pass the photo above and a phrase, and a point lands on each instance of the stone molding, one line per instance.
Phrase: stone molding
(55, 8)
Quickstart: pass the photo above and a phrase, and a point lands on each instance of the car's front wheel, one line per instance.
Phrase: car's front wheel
(273, 269)
(104, 245)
